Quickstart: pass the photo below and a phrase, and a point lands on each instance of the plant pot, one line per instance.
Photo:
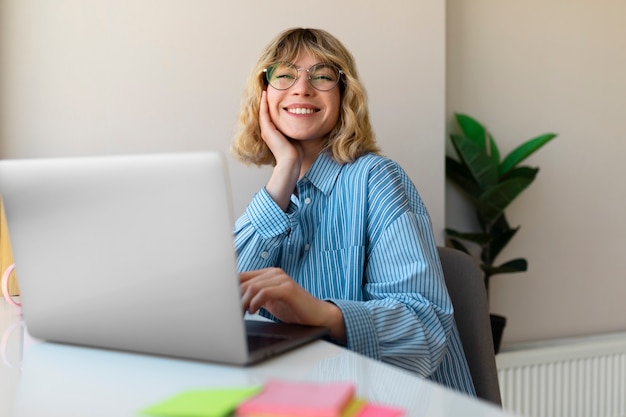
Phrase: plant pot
(497, 328)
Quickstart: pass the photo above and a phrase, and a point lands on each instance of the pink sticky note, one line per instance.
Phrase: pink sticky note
(375, 410)
(299, 399)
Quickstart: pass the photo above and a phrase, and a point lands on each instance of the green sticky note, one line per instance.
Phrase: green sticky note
(202, 403)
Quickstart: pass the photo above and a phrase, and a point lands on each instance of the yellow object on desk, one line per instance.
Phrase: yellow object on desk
(6, 255)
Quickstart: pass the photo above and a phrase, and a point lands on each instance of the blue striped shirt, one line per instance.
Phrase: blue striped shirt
(359, 235)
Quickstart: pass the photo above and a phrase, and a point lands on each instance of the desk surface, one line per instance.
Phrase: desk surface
(38, 378)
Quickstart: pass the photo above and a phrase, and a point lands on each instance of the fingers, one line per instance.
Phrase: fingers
(270, 134)
(275, 291)
(261, 298)
(248, 275)
(262, 286)
(265, 119)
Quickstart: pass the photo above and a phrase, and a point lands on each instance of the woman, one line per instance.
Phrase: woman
(339, 236)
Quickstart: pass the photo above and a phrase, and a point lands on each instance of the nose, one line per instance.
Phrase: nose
(302, 85)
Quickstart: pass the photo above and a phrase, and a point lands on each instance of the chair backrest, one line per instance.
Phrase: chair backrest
(464, 280)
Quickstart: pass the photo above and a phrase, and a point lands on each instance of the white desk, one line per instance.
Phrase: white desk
(38, 378)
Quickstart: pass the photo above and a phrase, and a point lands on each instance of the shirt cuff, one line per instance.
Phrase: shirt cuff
(360, 330)
(266, 217)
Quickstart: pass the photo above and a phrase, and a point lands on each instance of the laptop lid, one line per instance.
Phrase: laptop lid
(130, 252)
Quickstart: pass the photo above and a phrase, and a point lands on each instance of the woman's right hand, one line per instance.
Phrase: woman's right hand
(288, 155)
(274, 290)
(284, 149)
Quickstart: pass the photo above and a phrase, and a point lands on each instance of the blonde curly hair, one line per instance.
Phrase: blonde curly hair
(350, 138)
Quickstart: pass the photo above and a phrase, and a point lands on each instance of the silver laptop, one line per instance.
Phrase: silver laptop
(134, 252)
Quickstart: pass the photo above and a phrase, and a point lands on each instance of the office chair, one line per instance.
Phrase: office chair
(464, 280)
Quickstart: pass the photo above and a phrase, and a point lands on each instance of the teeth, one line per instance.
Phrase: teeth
(301, 111)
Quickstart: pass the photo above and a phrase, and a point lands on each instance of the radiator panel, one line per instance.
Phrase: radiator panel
(582, 377)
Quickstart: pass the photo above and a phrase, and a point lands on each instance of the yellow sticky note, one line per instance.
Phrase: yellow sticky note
(202, 403)
(354, 408)
(6, 254)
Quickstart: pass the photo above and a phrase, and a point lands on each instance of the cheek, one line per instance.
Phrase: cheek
(337, 110)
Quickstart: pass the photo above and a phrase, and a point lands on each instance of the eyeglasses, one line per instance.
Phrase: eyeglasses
(322, 77)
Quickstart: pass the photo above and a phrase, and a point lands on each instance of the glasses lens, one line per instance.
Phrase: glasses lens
(281, 76)
(324, 76)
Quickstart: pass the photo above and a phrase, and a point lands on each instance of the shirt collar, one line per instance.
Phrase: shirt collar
(323, 173)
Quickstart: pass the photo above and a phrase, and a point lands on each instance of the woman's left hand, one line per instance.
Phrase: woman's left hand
(274, 290)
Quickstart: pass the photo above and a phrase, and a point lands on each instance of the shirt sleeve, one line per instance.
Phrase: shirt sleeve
(407, 316)
(260, 232)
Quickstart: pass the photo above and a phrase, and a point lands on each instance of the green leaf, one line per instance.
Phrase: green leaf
(500, 226)
(520, 172)
(515, 265)
(493, 202)
(458, 245)
(498, 243)
(524, 151)
(478, 238)
(475, 131)
(462, 177)
(478, 163)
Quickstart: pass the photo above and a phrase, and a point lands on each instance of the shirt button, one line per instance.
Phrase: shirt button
(307, 200)
(264, 255)
(307, 246)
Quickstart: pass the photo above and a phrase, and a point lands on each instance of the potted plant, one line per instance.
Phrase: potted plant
(489, 185)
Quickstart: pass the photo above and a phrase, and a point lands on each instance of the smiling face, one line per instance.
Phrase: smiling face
(301, 112)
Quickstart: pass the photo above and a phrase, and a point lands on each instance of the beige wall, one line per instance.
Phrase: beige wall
(115, 76)
(94, 77)
(529, 67)
(140, 76)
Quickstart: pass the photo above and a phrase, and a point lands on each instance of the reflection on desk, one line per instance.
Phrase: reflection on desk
(41, 378)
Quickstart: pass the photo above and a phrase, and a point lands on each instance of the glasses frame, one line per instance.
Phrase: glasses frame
(308, 75)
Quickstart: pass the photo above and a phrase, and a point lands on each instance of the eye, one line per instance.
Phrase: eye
(322, 77)
(283, 75)
(324, 73)
(282, 71)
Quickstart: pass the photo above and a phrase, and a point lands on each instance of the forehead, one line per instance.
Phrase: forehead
(303, 55)
(305, 60)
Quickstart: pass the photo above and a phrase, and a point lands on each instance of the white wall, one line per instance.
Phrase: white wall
(536, 66)
(122, 76)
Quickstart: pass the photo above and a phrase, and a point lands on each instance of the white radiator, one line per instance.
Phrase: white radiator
(578, 377)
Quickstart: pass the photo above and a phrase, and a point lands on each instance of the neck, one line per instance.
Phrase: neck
(311, 152)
